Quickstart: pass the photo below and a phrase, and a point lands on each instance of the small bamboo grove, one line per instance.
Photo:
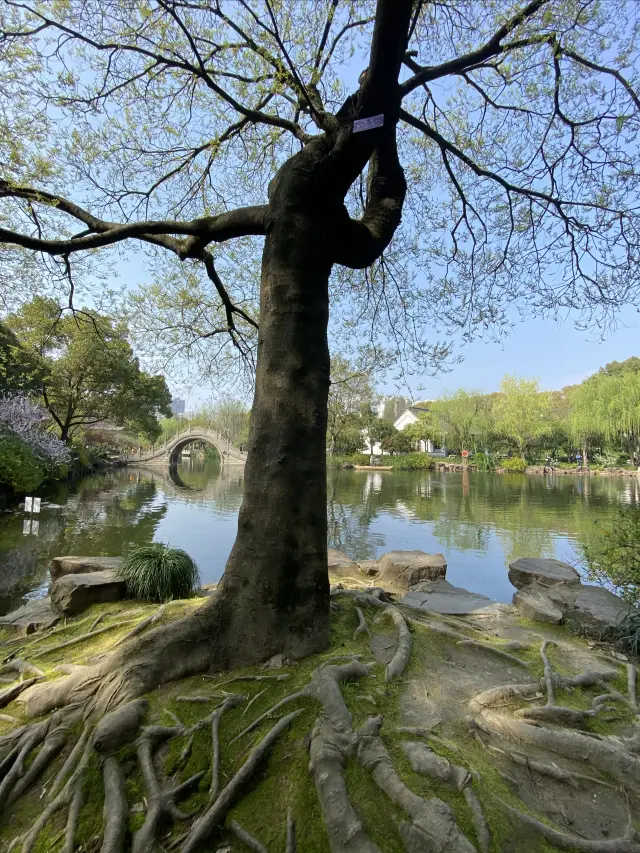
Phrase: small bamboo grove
(312, 756)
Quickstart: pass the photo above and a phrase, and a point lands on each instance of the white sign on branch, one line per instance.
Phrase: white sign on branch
(369, 123)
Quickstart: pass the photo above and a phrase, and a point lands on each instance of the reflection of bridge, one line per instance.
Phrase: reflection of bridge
(169, 452)
(224, 487)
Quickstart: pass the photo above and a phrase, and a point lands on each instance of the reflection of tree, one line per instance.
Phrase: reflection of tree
(527, 514)
(348, 523)
(97, 515)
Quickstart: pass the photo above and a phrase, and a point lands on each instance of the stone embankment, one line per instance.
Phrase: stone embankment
(546, 590)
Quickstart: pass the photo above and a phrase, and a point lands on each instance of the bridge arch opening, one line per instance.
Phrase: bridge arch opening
(177, 450)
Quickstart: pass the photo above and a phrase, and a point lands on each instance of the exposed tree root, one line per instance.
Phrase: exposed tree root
(551, 770)
(84, 637)
(246, 838)
(230, 702)
(115, 811)
(141, 626)
(12, 693)
(632, 675)
(53, 743)
(332, 740)
(64, 798)
(215, 814)
(433, 826)
(507, 693)
(604, 754)
(203, 700)
(72, 818)
(479, 821)
(161, 801)
(476, 644)
(96, 621)
(556, 714)
(627, 844)
(424, 760)
(120, 726)
(362, 625)
(400, 659)
(254, 699)
(281, 677)
(290, 846)
(21, 666)
(70, 763)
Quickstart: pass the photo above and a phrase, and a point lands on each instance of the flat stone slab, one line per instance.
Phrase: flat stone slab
(533, 603)
(405, 569)
(78, 565)
(530, 570)
(340, 564)
(72, 594)
(31, 617)
(597, 611)
(440, 596)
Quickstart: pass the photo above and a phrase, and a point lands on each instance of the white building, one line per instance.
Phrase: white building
(412, 416)
(409, 416)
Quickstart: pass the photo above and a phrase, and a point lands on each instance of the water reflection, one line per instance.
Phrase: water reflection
(479, 521)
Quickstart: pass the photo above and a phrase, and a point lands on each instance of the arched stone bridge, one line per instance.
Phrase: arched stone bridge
(169, 452)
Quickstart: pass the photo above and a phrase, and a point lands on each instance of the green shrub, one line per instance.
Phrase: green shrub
(411, 462)
(613, 557)
(20, 468)
(159, 573)
(351, 459)
(514, 465)
(483, 461)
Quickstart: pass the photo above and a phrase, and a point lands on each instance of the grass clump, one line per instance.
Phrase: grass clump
(157, 572)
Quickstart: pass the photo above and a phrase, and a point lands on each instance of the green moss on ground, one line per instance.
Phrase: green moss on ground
(284, 780)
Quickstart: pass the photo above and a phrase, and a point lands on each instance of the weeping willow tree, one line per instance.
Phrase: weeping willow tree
(404, 163)
(606, 407)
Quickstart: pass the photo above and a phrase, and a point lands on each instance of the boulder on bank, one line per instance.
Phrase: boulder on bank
(370, 568)
(31, 617)
(596, 611)
(79, 565)
(405, 569)
(440, 596)
(72, 594)
(530, 570)
(532, 602)
(555, 594)
(340, 564)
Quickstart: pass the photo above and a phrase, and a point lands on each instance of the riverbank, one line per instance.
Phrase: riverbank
(411, 726)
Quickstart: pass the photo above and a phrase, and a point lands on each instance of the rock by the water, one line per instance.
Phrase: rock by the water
(530, 570)
(72, 594)
(340, 564)
(78, 565)
(405, 569)
(532, 602)
(369, 567)
(596, 611)
(440, 596)
(32, 616)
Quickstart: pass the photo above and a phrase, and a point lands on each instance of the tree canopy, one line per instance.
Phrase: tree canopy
(163, 123)
(88, 371)
(20, 370)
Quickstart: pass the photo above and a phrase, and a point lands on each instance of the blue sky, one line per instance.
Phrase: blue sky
(556, 353)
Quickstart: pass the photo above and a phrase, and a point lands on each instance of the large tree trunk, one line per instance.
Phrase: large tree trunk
(276, 576)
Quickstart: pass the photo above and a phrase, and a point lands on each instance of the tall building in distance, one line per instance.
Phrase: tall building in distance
(177, 407)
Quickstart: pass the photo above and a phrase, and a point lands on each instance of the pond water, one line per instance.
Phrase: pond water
(481, 522)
